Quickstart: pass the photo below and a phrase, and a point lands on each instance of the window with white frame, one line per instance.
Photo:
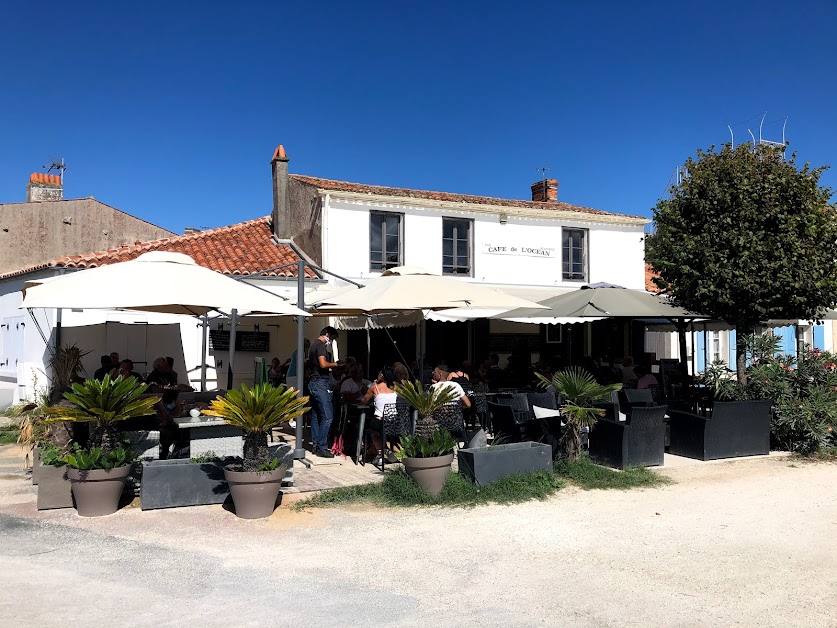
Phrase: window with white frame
(715, 345)
(385, 250)
(574, 247)
(456, 247)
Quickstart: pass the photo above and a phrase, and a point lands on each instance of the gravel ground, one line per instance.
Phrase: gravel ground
(747, 543)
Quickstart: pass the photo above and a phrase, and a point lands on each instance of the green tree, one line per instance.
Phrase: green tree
(745, 237)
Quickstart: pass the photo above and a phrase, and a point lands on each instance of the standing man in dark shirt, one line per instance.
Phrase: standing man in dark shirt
(320, 363)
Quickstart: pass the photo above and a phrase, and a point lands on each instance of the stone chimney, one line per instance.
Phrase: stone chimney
(545, 191)
(281, 215)
(44, 187)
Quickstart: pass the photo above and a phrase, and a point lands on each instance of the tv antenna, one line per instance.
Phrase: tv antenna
(762, 141)
(58, 165)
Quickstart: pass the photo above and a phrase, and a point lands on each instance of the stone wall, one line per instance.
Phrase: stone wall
(35, 233)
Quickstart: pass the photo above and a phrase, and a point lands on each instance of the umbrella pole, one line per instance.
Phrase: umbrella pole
(422, 347)
(233, 324)
(368, 353)
(299, 447)
(204, 333)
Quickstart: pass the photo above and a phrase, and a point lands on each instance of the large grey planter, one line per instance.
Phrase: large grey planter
(488, 464)
(36, 465)
(175, 483)
(54, 489)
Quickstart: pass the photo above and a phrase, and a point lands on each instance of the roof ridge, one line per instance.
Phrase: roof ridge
(453, 197)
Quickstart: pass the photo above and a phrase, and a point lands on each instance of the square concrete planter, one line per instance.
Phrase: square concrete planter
(36, 465)
(173, 483)
(488, 464)
(176, 483)
(54, 489)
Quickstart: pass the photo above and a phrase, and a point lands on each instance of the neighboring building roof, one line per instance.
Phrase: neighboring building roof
(448, 197)
(650, 286)
(246, 248)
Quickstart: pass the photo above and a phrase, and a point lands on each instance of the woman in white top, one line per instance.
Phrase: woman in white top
(354, 387)
(380, 394)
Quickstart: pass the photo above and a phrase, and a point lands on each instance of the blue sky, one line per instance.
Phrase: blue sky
(171, 111)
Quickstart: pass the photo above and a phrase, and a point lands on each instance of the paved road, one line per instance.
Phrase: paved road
(742, 544)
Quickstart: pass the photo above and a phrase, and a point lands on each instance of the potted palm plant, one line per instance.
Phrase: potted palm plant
(428, 454)
(579, 390)
(256, 482)
(98, 473)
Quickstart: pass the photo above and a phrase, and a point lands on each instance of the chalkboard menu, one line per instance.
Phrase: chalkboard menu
(256, 341)
(252, 341)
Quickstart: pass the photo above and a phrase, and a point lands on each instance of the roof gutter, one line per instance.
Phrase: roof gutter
(479, 208)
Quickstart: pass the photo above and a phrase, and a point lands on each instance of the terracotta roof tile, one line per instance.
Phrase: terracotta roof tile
(246, 248)
(345, 186)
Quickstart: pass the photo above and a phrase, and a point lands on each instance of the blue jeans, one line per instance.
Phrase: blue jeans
(322, 411)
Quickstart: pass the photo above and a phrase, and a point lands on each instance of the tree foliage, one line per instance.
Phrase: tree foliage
(745, 237)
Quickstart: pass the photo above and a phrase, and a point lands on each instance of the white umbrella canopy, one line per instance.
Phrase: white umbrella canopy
(592, 303)
(170, 283)
(406, 289)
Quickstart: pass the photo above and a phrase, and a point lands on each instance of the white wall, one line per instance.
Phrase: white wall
(615, 253)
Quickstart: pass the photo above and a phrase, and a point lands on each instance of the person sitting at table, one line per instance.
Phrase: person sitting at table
(646, 379)
(161, 377)
(354, 387)
(402, 373)
(106, 367)
(170, 362)
(276, 371)
(170, 434)
(628, 374)
(126, 370)
(440, 377)
(380, 394)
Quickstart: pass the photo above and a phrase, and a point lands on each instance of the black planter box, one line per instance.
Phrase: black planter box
(488, 464)
(175, 483)
(54, 489)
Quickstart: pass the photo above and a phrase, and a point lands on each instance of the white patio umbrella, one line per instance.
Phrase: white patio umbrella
(404, 289)
(416, 291)
(170, 283)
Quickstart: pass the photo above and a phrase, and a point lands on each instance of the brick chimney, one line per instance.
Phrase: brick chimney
(545, 191)
(44, 187)
(281, 215)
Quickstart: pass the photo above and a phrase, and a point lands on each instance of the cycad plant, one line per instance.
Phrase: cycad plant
(103, 404)
(580, 391)
(426, 402)
(66, 366)
(257, 411)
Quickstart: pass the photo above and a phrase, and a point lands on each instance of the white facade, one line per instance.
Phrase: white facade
(615, 249)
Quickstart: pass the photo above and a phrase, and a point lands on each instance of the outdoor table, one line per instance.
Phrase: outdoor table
(212, 434)
(360, 411)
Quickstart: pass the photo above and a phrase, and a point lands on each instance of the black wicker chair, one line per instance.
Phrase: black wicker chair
(398, 420)
(637, 442)
(449, 417)
(638, 397)
(735, 428)
(503, 425)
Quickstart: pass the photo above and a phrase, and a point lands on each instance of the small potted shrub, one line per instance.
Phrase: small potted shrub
(98, 472)
(579, 390)
(428, 454)
(256, 482)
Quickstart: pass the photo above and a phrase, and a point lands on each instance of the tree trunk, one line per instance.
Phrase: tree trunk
(741, 352)
(571, 441)
(255, 450)
(425, 426)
